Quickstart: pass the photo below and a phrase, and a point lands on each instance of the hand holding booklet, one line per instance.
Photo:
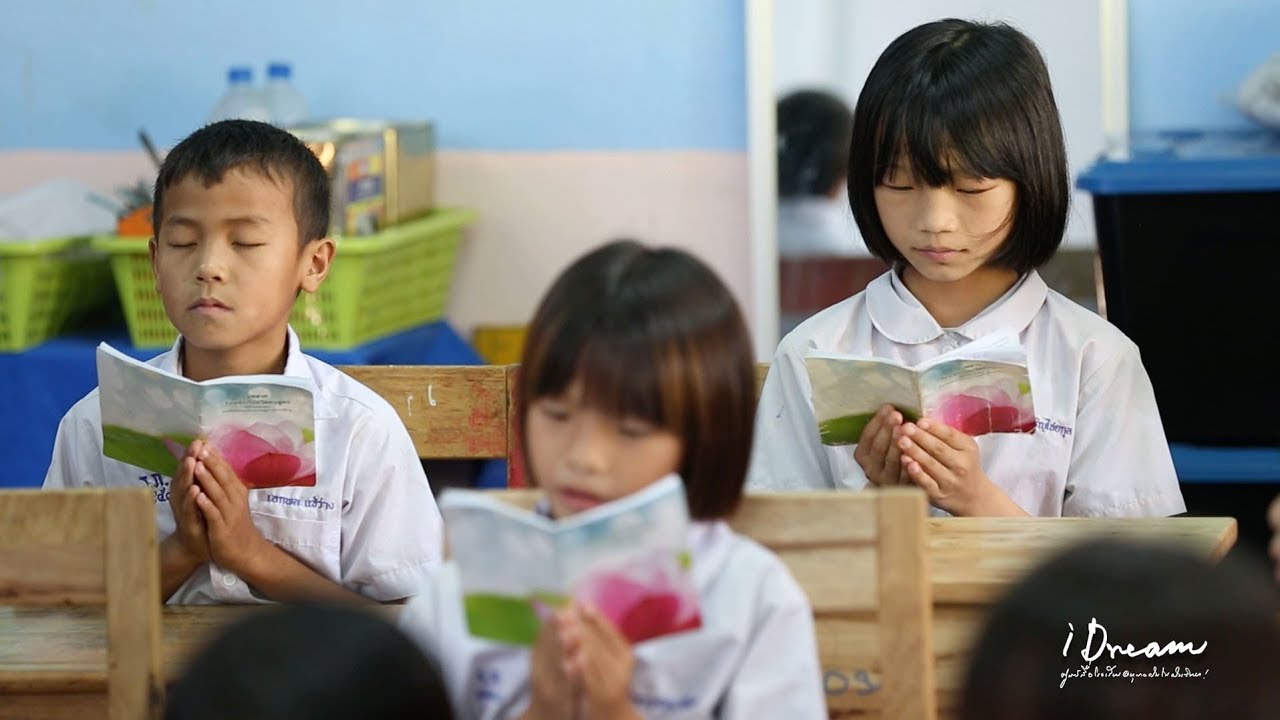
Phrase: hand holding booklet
(628, 558)
(978, 388)
(263, 425)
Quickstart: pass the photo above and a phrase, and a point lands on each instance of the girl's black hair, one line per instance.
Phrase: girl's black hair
(961, 98)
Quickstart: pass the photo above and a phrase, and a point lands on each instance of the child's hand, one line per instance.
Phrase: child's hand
(552, 695)
(597, 659)
(944, 462)
(877, 453)
(1273, 516)
(182, 500)
(234, 541)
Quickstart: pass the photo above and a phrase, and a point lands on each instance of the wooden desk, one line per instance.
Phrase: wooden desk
(972, 561)
(53, 660)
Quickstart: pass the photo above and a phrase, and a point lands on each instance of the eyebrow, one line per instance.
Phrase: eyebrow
(240, 220)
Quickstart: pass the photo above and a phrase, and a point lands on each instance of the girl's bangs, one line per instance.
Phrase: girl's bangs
(622, 374)
(941, 138)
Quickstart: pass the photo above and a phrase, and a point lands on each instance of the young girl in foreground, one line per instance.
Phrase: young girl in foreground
(958, 179)
(638, 365)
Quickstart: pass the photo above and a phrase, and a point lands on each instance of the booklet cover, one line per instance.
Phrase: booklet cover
(628, 558)
(982, 387)
(264, 425)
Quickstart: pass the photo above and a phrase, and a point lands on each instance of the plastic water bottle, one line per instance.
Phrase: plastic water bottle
(241, 101)
(284, 103)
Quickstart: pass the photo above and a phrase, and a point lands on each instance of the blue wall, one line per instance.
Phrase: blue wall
(1187, 56)
(494, 74)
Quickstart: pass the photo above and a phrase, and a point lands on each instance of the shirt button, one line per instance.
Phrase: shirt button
(229, 580)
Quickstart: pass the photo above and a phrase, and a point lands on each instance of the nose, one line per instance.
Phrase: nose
(211, 266)
(935, 211)
(589, 446)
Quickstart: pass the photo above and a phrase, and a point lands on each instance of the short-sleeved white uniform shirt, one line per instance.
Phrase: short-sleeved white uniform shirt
(370, 523)
(1099, 447)
(755, 655)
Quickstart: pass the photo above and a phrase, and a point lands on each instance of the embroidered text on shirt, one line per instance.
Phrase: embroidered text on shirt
(1052, 426)
(487, 685)
(159, 485)
(655, 704)
(312, 502)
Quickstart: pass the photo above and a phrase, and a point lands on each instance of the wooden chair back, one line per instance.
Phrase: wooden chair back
(457, 412)
(89, 548)
(452, 412)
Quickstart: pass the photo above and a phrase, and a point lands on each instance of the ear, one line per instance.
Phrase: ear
(317, 258)
(153, 246)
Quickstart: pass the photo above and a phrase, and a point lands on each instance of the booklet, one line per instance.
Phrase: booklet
(264, 425)
(982, 387)
(628, 558)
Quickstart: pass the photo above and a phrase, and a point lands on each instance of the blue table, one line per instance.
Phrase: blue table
(1225, 465)
(41, 384)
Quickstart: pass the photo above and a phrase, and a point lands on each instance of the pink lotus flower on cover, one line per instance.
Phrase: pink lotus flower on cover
(985, 409)
(263, 455)
(646, 600)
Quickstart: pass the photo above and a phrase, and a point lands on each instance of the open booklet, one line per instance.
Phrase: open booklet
(264, 425)
(628, 558)
(982, 387)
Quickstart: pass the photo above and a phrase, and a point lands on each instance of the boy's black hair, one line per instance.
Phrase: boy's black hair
(310, 662)
(211, 151)
(956, 97)
(813, 143)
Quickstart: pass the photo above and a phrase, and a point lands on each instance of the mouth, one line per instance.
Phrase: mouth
(578, 500)
(208, 304)
(938, 253)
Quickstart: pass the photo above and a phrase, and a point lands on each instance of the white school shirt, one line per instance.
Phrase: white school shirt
(1099, 448)
(370, 523)
(755, 655)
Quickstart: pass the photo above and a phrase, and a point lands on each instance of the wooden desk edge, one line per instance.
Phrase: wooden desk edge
(52, 682)
(1227, 540)
(968, 590)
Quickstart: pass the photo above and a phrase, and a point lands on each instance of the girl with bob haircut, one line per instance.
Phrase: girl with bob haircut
(637, 364)
(958, 179)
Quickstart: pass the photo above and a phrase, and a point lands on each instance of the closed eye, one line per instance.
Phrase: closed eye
(635, 428)
(974, 191)
(552, 412)
(899, 188)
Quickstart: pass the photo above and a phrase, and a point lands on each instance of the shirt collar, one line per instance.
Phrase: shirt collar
(295, 366)
(899, 316)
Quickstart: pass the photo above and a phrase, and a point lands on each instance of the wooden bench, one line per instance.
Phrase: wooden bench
(452, 412)
(85, 548)
(457, 412)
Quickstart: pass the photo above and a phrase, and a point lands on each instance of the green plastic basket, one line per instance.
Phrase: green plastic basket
(46, 285)
(378, 285)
